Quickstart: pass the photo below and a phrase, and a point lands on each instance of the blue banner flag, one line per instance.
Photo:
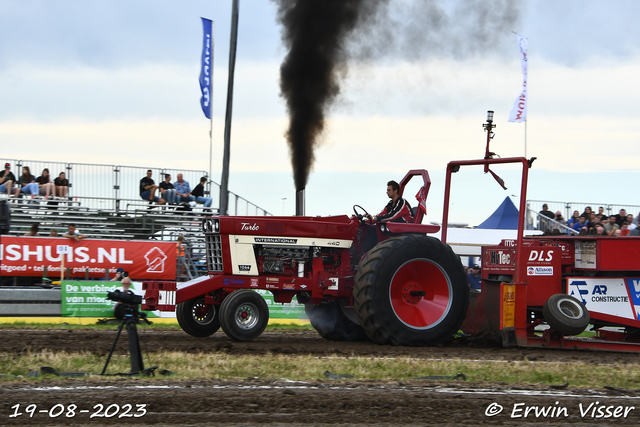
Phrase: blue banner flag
(206, 71)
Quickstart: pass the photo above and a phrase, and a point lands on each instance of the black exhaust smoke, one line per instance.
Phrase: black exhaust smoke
(321, 35)
(315, 33)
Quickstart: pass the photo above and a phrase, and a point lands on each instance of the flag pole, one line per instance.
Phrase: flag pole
(211, 112)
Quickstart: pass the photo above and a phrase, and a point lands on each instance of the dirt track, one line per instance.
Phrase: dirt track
(323, 401)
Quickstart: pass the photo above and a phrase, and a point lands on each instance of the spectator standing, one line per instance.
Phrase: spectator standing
(611, 227)
(545, 213)
(587, 212)
(61, 184)
(46, 186)
(600, 215)
(7, 179)
(167, 190)
(120, 275)
(474, 277)
(632, 225)
(198, 193)
(27, 183)
(180, 256)
(148, 189)
(183, 190)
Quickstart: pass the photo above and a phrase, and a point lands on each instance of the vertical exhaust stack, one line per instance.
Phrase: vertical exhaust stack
(300, 202)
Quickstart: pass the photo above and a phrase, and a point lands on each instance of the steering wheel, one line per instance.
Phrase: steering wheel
(363, 217)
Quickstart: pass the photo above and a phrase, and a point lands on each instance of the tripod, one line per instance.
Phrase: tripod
(131, 319)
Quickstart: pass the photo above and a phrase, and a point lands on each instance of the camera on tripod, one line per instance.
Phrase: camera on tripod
(124, 297)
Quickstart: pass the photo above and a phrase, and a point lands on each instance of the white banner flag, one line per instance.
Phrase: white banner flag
(519, 111)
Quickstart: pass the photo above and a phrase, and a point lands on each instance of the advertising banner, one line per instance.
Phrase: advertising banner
(28, 256)
(613, 296)
(89, 298)
(290, 310)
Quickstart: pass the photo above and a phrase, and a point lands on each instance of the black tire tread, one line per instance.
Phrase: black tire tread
(379, 322)
(332, 324)
(559, 322)
(189, 325)
(227, 311)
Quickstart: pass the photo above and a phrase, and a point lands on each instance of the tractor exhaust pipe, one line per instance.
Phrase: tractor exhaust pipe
(300, 202)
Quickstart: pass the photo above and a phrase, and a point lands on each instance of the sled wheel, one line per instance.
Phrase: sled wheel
(197, 318)
(332, 324)
(411, 290)
(244, 315)
(566, 315)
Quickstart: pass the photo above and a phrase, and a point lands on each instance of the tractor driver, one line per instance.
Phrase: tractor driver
(397, 210)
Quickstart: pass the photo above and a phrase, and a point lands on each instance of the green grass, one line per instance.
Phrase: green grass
(156, 326)
(309, 368)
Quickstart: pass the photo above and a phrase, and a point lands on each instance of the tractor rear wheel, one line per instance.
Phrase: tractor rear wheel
(566, 315)
(411, 290)
(332, 323)
(243, 315)
(197, 318)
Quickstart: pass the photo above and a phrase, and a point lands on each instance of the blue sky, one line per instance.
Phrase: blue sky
(117, 82)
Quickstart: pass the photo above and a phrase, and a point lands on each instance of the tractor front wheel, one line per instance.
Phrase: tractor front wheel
(243, 315)
(197, 318)
(411, 290)
(332, 323)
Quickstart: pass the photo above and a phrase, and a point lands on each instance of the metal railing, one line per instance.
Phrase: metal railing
(537, 221)
(567, 208)
(106, 187)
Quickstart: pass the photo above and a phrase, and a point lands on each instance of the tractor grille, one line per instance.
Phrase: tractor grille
(214, 252)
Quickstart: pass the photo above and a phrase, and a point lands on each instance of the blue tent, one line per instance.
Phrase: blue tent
(504, 218)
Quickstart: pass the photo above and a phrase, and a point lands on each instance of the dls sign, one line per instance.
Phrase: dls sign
(28, 256)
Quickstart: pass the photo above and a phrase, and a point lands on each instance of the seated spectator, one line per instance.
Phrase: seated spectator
(582, 223)
(574, 219)
(620, 217)
(46, 186)
(183, 190)
(600, 229)
(35, 227)
(624, 230)
(27, 183)
(7, 180)
(54, 233)
(559, 218)
(198, 193)
(148, 189)
(61, 184)
(167, 190)
(73, 234)
(611, 227)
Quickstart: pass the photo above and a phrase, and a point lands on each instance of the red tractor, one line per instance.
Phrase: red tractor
(405, 288)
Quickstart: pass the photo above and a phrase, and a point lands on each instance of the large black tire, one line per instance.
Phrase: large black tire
(411, 290)
(332, 324)
(566, 315)
(243, 315)
(197, 318)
